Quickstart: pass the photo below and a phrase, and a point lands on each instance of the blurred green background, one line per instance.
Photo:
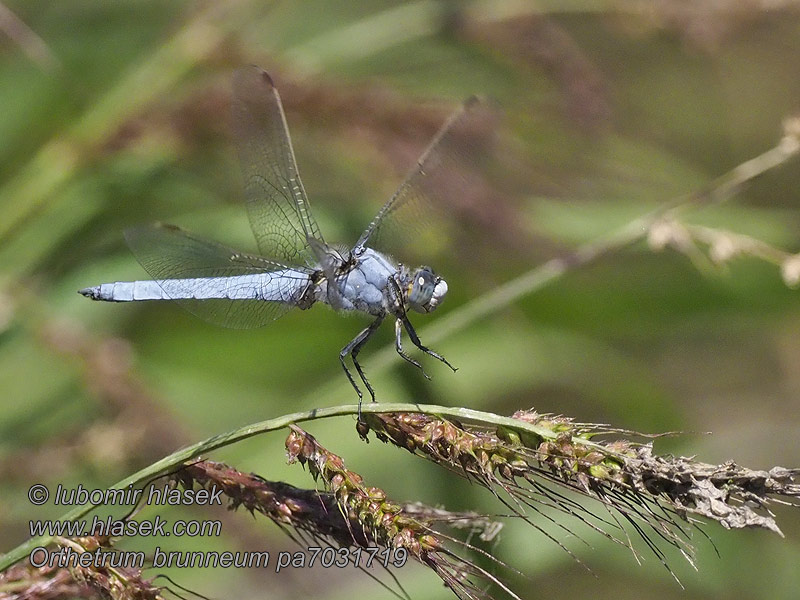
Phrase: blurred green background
(116, 113)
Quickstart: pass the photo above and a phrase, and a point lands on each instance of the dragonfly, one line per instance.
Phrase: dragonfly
(296, 267)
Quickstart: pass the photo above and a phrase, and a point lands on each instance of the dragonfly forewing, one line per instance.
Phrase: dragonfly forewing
(440, 177)
(279, 211)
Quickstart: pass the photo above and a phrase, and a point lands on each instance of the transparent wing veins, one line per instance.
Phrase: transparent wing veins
(414, 188)
(277, 205)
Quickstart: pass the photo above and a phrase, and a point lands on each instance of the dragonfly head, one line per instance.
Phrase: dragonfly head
(426, 290)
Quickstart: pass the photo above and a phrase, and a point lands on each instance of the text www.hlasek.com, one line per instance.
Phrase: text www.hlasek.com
(129, 528)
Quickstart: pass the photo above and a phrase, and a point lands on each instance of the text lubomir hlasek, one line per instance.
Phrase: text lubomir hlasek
(130, 496)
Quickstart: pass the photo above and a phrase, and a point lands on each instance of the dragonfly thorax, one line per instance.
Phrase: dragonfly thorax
(361, 283)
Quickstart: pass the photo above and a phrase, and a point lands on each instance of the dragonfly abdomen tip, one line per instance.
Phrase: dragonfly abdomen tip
(90, 292)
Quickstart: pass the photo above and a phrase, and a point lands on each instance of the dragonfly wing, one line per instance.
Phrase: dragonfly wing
(279, 212)
(440, 173)
(169, 253)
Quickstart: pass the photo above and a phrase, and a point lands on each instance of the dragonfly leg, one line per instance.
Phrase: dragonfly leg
(353, 348)
(398, 331)
(415, 340)
(365, 335)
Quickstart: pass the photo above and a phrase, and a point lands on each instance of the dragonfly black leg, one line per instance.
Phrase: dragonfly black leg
(398, 331)
(353, 348)
(415, 340)
(367, 333)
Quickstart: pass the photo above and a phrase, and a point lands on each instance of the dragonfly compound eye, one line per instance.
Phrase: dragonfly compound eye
(426, 290)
